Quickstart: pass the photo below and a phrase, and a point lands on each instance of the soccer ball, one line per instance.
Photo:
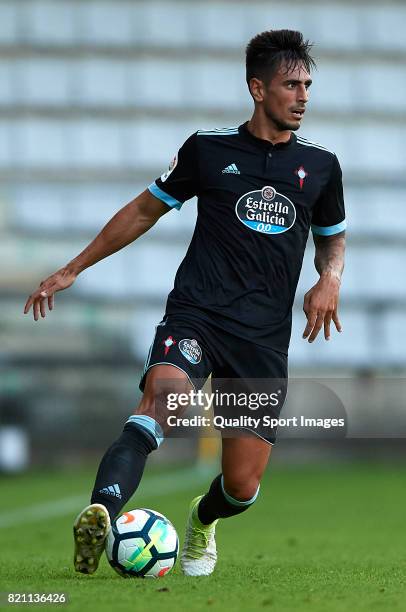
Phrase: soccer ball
(142, 543)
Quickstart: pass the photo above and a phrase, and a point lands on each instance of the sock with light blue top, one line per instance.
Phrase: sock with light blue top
(123, 464)
(217, 503)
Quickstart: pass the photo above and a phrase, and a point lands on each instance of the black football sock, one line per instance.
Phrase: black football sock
(122, 466)
(217, 503)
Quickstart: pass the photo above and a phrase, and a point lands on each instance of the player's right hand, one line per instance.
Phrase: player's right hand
(62, 279)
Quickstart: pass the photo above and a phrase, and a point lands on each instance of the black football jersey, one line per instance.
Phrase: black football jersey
(256, 204)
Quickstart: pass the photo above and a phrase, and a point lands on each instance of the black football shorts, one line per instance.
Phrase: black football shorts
(244, 375)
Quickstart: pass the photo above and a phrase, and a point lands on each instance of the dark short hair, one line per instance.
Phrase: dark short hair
(266, 52)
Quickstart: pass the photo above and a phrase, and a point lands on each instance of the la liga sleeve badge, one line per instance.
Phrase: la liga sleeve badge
(171, 168)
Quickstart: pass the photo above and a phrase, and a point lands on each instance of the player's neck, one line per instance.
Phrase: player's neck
(262, 128)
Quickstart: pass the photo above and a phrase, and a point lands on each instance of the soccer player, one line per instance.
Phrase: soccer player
(260, 189)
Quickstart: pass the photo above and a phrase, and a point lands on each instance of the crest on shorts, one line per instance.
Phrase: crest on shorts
(191, 350)
(168, 343)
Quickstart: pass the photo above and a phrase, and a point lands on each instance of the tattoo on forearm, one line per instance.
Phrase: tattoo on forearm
(329, 255)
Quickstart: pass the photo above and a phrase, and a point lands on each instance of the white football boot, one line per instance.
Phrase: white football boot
(90, 530)
(199, 554)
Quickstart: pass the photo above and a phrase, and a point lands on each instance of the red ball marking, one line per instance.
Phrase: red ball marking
(130, 517)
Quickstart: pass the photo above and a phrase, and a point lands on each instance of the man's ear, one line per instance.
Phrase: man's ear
(256, 87)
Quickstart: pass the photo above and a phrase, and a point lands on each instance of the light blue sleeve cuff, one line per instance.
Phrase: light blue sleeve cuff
(329, 230)
(164, 197)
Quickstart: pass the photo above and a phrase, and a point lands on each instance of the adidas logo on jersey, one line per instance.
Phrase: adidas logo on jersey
(112, 490)
(231, 169)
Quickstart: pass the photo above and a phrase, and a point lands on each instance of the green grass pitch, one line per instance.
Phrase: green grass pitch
(330, 539)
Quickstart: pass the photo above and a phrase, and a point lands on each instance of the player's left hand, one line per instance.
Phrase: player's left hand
(320, 307)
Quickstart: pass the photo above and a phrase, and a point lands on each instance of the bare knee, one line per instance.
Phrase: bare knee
(162, 383)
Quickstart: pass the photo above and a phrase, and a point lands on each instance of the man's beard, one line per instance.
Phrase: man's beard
(282, 126)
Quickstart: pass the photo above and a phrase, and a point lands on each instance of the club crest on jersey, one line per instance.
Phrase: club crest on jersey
(191, 350)
(171, 168)
(266, 211)
(168, 343)
(301, 173)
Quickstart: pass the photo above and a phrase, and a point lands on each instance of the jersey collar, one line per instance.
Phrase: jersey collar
(264, 144)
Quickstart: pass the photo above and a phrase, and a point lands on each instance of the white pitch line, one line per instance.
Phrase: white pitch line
(172, 482)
